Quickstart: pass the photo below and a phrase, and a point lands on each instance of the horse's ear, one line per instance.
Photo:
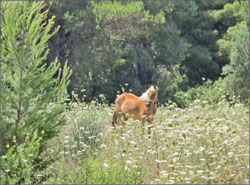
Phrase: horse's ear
(149, 86)
(155, 86)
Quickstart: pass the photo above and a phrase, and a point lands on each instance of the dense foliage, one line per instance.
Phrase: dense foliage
(207, 143)
(31, 91)
(174, 44)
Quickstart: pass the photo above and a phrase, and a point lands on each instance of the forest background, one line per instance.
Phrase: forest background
(177, 45)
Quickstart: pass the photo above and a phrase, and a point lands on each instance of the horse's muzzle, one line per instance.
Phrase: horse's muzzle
(148, 103)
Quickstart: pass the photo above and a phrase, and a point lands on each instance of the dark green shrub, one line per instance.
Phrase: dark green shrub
(208, 92)
(31, 91)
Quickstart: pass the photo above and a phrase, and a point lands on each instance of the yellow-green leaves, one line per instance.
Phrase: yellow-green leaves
(125, 20)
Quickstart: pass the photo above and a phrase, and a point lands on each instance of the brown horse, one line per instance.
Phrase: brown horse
(141, 108)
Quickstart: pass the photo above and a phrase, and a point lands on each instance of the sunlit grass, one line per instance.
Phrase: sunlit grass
(204, 144)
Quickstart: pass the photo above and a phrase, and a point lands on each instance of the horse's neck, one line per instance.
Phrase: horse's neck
(144, 96)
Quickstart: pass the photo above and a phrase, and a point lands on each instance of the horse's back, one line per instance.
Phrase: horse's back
(126, 96)
(128, 102)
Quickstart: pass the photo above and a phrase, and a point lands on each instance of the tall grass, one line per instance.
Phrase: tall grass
(203, 144)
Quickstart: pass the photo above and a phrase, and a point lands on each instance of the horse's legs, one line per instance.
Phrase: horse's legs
(149, 129)
(119, 118)
(125, 118)
(150, 125)
(114, 119)
(143, 123)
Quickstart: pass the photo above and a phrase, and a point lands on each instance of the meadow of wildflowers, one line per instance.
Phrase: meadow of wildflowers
(207, 144)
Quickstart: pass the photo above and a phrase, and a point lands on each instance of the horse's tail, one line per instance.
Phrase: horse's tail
(114, 119)
(118, 104)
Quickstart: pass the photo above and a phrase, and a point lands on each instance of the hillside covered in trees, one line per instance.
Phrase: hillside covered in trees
(177, 45)
(64, 63)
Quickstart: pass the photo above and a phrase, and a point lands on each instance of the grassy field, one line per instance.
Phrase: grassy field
(204, 144)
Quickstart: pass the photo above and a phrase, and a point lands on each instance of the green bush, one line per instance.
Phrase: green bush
(237, 71)
(169, 82)
(32, 93)
(21, 162)
(96, 172)
(84, 132)
(208, 92)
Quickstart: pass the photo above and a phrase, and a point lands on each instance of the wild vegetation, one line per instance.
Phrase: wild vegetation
(207, 144)
(62, 66)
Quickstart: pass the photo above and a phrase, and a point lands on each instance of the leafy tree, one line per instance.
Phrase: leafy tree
(237, 71)
(232, 22)
(112, 43)
(169, 81)
(228, 15)
(196, 27)
(109, 46)
(158, 5)
(32, 93)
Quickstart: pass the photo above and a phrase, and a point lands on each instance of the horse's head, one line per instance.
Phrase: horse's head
(152, 95)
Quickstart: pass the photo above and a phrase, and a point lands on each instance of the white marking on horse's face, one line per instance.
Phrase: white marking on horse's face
(147, 96)
(152, 93)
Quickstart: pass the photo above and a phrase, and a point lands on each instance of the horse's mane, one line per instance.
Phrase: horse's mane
(144, 95)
